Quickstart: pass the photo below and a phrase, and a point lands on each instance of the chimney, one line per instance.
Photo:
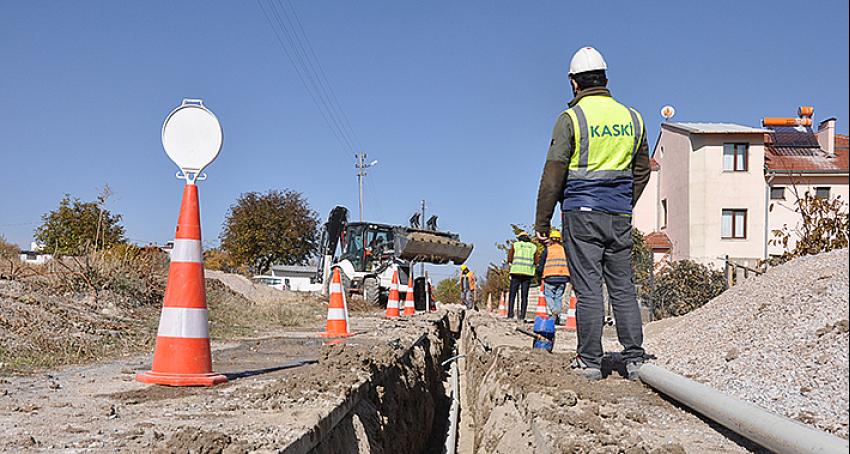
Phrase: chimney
(826, 136)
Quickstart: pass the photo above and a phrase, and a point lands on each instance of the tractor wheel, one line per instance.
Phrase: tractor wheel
(372, 291)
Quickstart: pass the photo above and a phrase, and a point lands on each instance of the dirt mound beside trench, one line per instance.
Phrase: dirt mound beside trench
(524, 400)
(779, 340)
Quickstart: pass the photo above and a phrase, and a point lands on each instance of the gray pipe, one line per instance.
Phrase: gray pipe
(451, 438)
(774, 432)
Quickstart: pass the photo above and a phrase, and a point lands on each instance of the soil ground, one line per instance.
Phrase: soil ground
(523, 400)
(279, 388)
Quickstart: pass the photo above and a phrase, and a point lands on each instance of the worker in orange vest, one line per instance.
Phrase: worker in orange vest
(467, 287)
(555, 273)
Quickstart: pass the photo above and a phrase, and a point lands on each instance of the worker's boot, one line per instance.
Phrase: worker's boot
(633, 370)
(580, 367)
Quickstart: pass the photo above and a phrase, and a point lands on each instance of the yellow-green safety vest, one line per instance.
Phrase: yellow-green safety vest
(607, 137)
(523, 262)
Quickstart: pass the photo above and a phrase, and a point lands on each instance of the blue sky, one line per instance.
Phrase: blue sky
(455, 99)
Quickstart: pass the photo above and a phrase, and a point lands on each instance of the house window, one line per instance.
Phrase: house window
(664, 213)
(777, 193)
(733, 224)
(822, 192)
(735, 157)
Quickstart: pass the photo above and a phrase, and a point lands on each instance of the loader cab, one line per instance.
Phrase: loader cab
(367, 246)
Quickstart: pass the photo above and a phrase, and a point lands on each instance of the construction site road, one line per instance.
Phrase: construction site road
(382, 390)
(281, 393)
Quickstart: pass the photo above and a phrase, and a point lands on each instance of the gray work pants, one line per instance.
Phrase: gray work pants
(466, 298)
(599, 247)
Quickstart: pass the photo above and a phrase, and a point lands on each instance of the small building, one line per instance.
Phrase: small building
(298, 278)
(35, 255)
(721, 189)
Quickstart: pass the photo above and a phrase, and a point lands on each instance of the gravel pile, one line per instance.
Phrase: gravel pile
(258, 293)
(779, 340)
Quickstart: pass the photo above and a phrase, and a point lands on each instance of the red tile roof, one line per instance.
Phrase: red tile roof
(793, 157)
(658, 240)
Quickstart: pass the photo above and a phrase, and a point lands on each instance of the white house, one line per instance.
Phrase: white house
(35, 255)
(720, 189)
(297, 278)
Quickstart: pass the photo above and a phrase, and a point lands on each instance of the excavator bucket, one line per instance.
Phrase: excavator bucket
(431, 246)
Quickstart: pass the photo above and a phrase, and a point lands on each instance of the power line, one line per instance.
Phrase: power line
(286, 42)
(323, 77)
(299, 51)
(301, 56)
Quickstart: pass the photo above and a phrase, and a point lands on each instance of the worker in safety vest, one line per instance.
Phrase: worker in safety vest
(467, 287)
(597, 167)
(555, 273)
(522, 260)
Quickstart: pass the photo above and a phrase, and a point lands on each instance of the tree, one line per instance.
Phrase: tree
(497, 281)
(216, 259)
(825, 226)
(277, 227)
(8, 249)
(448, 290)
(77, 227)
(684, 286)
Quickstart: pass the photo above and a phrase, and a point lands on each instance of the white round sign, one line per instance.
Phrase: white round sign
(192, 136)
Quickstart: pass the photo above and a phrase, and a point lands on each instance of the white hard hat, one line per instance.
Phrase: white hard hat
(587, 59)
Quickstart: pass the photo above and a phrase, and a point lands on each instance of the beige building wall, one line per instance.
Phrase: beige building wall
(645, 213)
(782, 212)
(672, 154)
(711, 190)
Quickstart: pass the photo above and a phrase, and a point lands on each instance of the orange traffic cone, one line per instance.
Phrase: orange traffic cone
(489, 302)
(571, 315)
(182, 355)
(409, 305)
(503, 309)
(337, 309)
(392, 300)
(541, 305)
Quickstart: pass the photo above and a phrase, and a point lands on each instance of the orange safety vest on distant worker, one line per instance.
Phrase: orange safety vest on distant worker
(556, 261)
(471, 276)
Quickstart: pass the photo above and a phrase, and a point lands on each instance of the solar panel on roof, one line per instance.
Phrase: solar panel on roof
(794, 136)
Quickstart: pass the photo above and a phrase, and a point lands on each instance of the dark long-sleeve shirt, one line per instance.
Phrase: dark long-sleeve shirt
(561, 149)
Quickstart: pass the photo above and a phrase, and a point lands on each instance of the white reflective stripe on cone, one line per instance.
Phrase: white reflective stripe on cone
(336, 287)
(187, 251)
(336, 314)
(183, 322)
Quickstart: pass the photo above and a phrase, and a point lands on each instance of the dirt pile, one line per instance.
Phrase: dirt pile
(524, 400)
(257, 293)
(40, 327)
(779, 340)
(43, 326)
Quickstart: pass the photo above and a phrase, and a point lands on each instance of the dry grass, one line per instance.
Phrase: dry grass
(234, 316)
(107, 305)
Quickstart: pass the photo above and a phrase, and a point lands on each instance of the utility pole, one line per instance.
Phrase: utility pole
(422, 265)
(361, 167)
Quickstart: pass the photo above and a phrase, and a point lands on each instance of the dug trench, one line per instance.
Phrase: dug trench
(383, 390)
(379, 391)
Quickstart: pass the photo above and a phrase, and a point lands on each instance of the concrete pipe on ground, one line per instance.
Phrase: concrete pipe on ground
(774, 432)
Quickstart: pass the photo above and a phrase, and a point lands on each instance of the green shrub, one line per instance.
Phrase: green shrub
(448, 291)
(684, 286)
